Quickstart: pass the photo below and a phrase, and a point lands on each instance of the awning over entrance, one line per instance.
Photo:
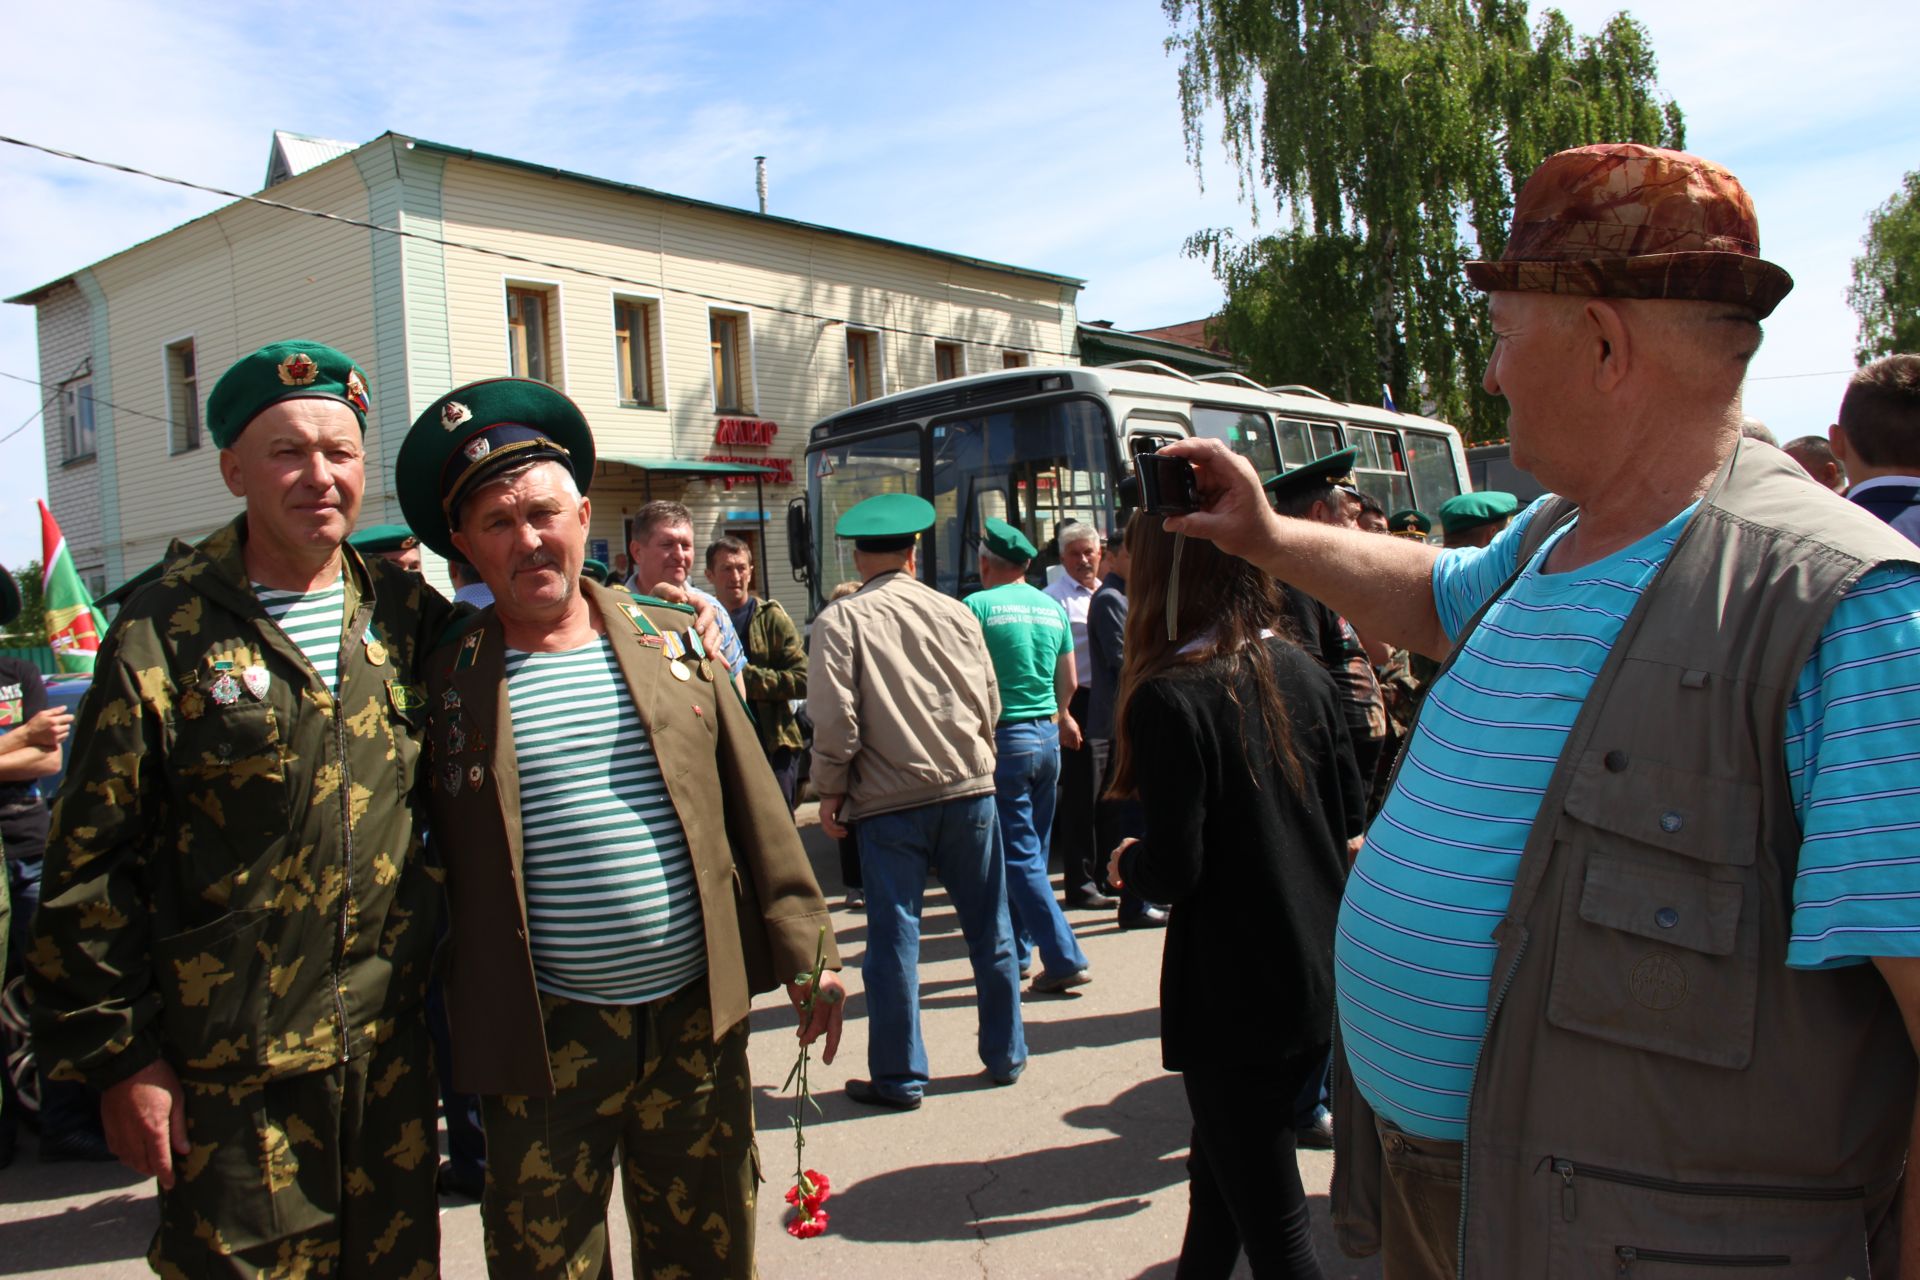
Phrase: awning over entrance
(702, 469)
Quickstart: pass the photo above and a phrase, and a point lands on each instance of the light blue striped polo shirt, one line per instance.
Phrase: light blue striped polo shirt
(314, 622)
(1414, 953)
(613, 913)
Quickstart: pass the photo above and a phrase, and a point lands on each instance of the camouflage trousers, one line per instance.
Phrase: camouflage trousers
(328, 1174)
(645, 1085)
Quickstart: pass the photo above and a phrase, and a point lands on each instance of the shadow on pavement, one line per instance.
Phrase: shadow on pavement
(114, 1225)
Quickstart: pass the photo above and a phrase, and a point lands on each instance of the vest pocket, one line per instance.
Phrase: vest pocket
(1610, 1222)
(213, 994)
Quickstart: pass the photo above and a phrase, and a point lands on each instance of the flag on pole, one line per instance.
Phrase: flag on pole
(74, 627)
(1386, 398)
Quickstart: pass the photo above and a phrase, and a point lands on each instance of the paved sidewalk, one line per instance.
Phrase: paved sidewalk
(1076, 1171)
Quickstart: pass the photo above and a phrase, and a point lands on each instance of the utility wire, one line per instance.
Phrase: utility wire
(470, 247)
(117, 408)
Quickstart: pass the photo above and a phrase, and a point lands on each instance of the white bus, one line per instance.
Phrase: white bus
(1039, 446)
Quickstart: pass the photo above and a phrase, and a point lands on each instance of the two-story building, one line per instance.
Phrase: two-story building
(691, 333)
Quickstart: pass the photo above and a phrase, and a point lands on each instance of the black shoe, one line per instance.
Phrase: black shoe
(80, 1145)
(1317, 1135)
(1095, 901)
(1146, 918)
(867, 1094)
(459, 1180)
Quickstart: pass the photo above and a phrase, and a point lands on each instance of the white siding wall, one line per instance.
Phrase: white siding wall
(695, 259)
(73, 489)
(233, 281)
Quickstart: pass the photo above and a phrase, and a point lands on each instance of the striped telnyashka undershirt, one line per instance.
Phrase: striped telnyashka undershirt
(313, 622)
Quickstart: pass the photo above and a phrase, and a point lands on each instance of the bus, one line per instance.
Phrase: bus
(1039, 446)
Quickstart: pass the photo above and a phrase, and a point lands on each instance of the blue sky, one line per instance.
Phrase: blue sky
(1044, 133)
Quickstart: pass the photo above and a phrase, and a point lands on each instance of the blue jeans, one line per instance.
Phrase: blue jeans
(1024, 780)
(959, 839)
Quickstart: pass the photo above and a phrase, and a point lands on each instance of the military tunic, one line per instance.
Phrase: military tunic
(234, 885)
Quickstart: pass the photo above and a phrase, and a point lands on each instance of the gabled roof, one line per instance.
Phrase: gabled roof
(295, 153)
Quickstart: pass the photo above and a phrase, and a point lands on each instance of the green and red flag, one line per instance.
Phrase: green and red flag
(74, 626)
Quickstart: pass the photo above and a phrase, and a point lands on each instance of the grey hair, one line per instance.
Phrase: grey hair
(1075, 531)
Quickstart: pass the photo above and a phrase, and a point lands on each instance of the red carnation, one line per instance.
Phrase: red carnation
(806, 1228)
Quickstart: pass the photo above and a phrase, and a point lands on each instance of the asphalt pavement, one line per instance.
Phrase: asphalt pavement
(1078, 1170)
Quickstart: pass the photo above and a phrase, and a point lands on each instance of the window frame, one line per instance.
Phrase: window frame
(875, 359)
(555, 328)
(959, 350)
(1015, 359)
(656, 348)
(69, 429)
(747, 388)
(196, 432)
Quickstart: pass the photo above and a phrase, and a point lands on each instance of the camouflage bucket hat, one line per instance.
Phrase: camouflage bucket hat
(1622, 220)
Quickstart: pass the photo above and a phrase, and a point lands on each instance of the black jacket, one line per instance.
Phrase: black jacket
(1106, 644)
(1253, 871)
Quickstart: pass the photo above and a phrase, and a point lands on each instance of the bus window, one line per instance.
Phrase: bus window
(853, 473)
(1039, 464)
(1245, 431)
(1430, 463)
(1380, 469)
(1326, 439)
(1294, 449)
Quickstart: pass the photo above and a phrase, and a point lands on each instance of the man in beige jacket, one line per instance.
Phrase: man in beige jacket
(904, 701)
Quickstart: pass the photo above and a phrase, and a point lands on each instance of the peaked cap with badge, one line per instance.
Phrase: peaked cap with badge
(886, 522)
(473, 432)
(283, 371)
(1471, 510)
(1410, 522)
(1624, 220)
(1007, 542)
(1335, 469)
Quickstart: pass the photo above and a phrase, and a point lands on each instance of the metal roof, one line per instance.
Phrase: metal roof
(295, 153)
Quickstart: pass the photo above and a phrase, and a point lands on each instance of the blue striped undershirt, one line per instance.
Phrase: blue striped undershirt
(1414, 953)
(613, 912)
(314, 622)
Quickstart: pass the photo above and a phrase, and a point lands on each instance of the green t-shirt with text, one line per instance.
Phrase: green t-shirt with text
(1026, 632)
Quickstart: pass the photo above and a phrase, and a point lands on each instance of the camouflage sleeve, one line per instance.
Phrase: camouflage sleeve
(784, 675)
(94, 999)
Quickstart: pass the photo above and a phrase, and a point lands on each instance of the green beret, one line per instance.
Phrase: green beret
(283, 371)
(1410, 521)
(1471, 510)
(9, 598)
(1007, 542)
(375, 539)
(598, 570)
(889, 522)
(474, 431)
(1335, 469)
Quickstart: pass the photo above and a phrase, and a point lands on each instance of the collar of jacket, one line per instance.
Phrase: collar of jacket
(217, 567)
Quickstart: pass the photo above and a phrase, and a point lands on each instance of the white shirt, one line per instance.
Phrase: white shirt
(1076, 598)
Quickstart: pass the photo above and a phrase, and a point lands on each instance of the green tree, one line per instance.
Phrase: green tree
(1886, 278)
(1386, 133)
(29, 630)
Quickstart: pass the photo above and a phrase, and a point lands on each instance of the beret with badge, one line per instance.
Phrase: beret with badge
(1624, 220)
(1335, 470)
(1471, 510)
(375, 539)
(887, 522)
(476, 431)
(283, 371)
(1007, 542)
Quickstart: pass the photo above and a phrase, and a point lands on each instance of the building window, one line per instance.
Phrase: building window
(529, 333)
(636, 322)
(76, 418)
(1013, 359)
(949, 361)
(183, 398)
(863, 365)
(732, 366)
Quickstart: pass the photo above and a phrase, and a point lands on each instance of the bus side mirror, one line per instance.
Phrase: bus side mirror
(799, 541)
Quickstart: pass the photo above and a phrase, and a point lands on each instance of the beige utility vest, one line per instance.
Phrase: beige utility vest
(1658, 1094)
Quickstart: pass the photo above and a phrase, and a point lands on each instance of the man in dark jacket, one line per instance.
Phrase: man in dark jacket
(776, 670)
(1877, 441)
(1113, 820)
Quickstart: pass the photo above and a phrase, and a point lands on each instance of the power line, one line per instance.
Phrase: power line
(1782, 377)
(117, 408)
(487, 250)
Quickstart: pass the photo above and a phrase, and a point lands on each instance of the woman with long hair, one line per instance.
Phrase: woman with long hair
(1231, 738)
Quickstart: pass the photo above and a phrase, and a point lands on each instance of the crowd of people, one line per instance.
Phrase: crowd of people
(1559, 876)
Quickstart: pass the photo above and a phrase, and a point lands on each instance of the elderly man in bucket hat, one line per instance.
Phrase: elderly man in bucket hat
(1627, 963)
(237, 927)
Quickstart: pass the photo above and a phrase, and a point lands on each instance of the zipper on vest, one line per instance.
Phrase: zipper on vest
(1466, 1143)
(1627, 1255)
(1746, 1191)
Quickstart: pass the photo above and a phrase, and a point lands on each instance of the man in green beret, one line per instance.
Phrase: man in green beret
(904, 702)
(1475, 519)
(393, 542)
(1031, 644)
(623, 874)
(235, 940)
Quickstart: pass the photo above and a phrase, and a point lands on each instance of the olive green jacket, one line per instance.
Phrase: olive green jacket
(233, 879)
(760, 904)
(776, 674)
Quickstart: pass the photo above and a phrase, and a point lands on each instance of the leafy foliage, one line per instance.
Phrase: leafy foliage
(1386, 134)
(29, 630)
(1885, 293)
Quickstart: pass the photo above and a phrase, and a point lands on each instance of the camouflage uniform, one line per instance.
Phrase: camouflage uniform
(685, 1136)
(233, 884)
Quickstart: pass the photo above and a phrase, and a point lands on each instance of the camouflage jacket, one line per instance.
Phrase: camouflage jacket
(776, 674)
(233, 876)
